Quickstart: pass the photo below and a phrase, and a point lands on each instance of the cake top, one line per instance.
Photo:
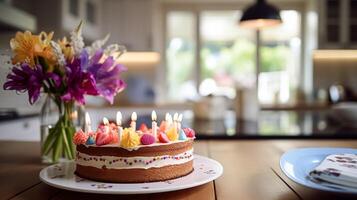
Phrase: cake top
(114, 134)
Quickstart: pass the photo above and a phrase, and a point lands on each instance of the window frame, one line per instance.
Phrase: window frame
(196, 9)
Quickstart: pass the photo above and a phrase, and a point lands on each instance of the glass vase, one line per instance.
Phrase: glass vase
(59, 121)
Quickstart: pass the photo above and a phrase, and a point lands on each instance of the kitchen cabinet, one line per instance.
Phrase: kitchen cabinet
(338, 24)
(69, 14)
(23, 129)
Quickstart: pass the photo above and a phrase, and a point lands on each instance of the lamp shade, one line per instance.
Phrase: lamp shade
(260, 15)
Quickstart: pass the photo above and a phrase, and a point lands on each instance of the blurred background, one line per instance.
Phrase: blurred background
(294, 79)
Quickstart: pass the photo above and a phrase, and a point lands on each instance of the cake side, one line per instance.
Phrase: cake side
(146, 164)
(135, 175)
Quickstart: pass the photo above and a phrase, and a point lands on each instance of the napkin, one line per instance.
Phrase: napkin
(337, 170)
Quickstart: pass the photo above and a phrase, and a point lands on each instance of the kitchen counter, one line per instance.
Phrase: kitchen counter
(251, 171)
(282, 124)
(276, 124)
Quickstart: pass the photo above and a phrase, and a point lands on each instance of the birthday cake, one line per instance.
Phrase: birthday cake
(126, 155)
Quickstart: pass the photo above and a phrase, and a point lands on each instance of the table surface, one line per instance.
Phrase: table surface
(251, 171)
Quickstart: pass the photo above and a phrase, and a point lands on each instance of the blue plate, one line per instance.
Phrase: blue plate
(297, 163)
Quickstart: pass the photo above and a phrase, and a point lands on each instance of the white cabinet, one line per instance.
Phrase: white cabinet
(338, 24)
(62, 16)
(24, 129)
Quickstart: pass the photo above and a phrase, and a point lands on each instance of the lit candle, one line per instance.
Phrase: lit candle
(87, 127)
(175, 120)
(106, 125)
(169, 121)
(179, 120)
(134, 117)
(154, 124)
(120, 128)
(167, 115)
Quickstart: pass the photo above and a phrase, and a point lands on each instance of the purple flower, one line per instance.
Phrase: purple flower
(79, 82)
(24, 78)
(106, 74)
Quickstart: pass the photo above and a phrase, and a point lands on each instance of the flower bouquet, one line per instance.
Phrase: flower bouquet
(65, 70)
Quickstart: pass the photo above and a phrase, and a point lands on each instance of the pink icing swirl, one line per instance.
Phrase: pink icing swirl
(80, 138)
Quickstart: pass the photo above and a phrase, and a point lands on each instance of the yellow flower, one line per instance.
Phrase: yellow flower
(130, 138)
(67, 48)
(27, 47)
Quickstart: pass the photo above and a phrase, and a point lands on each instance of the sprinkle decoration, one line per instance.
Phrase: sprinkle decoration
(134, 161)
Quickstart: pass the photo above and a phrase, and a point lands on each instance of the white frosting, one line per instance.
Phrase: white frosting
(139, 146)
(139, 162)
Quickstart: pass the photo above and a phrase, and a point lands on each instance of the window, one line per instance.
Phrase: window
(280, 60)
(180, 55)
(208, 53)
(90, 12)
(74, 7)
(227, 53)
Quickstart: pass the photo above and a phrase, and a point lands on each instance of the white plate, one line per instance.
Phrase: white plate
(62, 176)
(298, 163)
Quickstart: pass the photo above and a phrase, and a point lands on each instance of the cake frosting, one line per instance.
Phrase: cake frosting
(140, 162)
(117, 154)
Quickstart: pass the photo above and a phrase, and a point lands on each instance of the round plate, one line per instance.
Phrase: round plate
(297, 163)
(62, 176)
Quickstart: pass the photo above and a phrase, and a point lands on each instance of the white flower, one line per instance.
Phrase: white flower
(58, 52)
(77, 39)
(113, 48)
(96, 45)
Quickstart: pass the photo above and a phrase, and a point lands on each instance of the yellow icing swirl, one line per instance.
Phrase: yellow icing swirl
(130, 138)
(172, 134)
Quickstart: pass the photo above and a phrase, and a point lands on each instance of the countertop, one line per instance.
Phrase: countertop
(270, 124)
(251, 171)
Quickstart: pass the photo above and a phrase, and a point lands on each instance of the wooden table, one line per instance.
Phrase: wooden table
(251, 171)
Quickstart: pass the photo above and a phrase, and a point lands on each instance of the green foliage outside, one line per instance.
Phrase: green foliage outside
(234, 58)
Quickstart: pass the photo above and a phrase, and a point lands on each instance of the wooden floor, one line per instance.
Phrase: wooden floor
(251, 171)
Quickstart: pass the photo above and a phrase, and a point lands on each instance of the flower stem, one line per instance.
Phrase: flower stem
(59, 140)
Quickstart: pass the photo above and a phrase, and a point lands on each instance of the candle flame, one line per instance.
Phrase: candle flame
(105, 121)
(175, 116)
(134, 116)
(169, 120)
(180, 118)
(87, 119)
(119, 118)
(153, 115)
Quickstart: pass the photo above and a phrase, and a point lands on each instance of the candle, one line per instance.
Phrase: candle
(87, 127)
(167, 117)
(134, 117)
(154, 124)
(168, 120)
(175, 120)
(179, 120)
(106, 125)
(120, 128)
